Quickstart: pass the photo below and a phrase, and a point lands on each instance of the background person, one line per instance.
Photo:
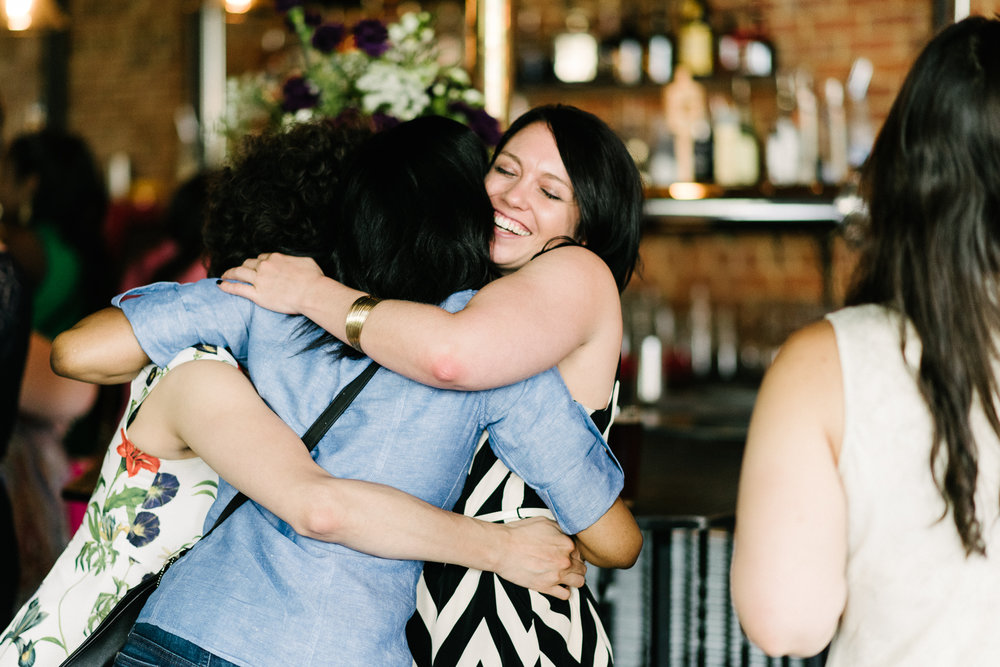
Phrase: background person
(868, 501)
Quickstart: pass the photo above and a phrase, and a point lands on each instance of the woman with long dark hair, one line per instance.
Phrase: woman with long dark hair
(870, 491)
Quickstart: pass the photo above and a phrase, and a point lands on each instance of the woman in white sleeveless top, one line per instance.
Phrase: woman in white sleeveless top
(869, 496)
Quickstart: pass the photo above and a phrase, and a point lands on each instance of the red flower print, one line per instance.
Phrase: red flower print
(135, 458)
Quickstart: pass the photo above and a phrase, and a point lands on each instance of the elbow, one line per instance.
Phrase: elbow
(627, 553)
(788, 629)
(319, 511)
(779, 640)
(633, 550)
(319, 522)
(61, 358)
(621, 554)
(446, 368)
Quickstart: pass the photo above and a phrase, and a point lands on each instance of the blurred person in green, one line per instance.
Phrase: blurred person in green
(54, 205)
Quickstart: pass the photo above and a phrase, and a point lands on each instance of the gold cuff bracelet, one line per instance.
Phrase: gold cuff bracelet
(356, 317)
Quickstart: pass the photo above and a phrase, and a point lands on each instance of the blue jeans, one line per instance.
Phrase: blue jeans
(148, 645)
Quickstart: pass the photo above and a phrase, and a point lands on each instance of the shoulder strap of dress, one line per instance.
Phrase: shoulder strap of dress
(563, 241)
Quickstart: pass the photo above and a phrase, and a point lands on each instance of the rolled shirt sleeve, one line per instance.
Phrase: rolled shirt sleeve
(168, 317)
(550, 441)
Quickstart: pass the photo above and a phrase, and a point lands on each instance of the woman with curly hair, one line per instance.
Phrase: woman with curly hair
(868, 508)
(145, 508)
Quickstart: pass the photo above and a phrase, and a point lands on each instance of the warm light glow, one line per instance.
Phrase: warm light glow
(18, 14)
(238, 6)
(688, 191)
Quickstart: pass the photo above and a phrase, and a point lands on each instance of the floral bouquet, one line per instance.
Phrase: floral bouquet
(390, 73)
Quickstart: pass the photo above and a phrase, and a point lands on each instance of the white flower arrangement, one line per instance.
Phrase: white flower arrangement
(391, 73)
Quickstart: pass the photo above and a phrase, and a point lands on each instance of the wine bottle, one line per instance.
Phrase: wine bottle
(695, 41)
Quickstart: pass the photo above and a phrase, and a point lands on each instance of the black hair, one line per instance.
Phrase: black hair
(416, 220)
(932, 185)
(606, 183)
(71, 196)
(280, 192)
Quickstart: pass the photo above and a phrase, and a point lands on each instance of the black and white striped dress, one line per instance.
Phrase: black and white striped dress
(468, 617)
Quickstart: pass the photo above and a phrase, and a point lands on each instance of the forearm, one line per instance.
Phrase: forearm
(100, 348)
(614, 541)
(250, 447)
(513, 328)
(386, 522)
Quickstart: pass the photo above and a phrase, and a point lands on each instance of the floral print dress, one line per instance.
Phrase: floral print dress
(143, 510)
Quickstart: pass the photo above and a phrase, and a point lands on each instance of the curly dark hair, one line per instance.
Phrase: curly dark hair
(932, 184)
(281, 192)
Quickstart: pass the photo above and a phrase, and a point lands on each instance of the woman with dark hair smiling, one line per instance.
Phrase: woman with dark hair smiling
(567, 204)
(261, 589)
(869, 501)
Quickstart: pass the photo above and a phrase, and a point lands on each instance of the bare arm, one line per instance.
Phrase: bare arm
(515, 327)
(613, 541)
(100, 348)
(212, 410)
(790, 553)
(561, 309)
(46, 395)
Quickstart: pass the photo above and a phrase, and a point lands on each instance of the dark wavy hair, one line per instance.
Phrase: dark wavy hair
(932, 184)
(605, 181)
(280, 192)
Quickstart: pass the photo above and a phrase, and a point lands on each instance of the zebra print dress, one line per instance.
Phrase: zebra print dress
(468, 617)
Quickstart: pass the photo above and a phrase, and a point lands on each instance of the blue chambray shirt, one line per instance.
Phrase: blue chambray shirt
(254, 592)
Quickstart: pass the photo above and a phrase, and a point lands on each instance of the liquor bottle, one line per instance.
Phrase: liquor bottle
(660, 50)
(782, 153)
(687, 119)
(736, 154)
(695, 41)
(576, 53)
(835, 147)
(757, 55)
(807, 123)
(860, 131)
(629, 55)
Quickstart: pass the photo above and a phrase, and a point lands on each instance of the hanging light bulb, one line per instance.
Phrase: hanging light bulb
(238, 6)
(18, 14)
(21, 15)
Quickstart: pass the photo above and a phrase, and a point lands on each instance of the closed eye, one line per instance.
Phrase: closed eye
(503, 172)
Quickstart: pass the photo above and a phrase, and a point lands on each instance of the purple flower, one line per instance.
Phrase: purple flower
(328, 37)
(484, 125)
(298, 95)
(144, 529)
(285, 5)
(383, 121)
(371, 37)
(162, 491)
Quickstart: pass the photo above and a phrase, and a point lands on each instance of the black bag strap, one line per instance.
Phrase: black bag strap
(315, 432)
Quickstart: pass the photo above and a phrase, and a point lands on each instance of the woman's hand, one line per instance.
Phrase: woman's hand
(274, 281)
(542, 558)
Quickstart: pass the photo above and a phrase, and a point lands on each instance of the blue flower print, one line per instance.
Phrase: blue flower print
(144, 529)
(162, 491)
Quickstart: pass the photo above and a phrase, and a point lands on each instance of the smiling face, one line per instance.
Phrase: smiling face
(532, 197)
